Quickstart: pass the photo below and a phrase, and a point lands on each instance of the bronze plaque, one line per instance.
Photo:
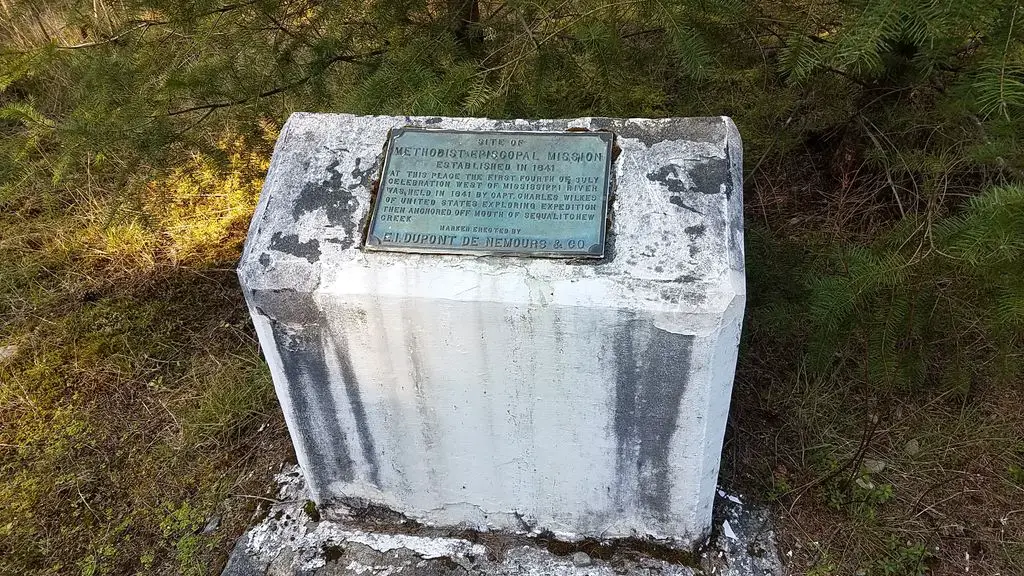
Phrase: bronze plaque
(542, 194)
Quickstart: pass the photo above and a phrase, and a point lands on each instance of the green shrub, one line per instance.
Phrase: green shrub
(930, 301)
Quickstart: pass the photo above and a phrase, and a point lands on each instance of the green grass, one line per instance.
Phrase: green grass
(136, 408)
(128, 422)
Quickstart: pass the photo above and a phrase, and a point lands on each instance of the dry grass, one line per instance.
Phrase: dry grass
(135, 409)
(872, 483)
(27, 24)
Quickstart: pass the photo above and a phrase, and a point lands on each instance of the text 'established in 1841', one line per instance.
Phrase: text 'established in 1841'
(529, 193)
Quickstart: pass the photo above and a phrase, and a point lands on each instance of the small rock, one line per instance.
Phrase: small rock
(873, 466)
(581, 559)
(912, 447)
(7, 352)
(211, 525)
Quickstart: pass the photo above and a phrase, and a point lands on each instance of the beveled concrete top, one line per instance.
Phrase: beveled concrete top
(675, 240)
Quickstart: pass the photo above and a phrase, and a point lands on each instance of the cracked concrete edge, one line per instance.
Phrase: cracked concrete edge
(743, 541)
(289, 542)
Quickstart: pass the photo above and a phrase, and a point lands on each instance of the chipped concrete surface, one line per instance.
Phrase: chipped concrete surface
(744, 543)
(588, 399)
(289, 543)
(318, 190)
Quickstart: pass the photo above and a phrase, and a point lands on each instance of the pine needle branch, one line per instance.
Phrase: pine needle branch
(354, 59)
(140, 26)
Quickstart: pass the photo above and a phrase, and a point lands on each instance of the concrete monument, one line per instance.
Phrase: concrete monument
(516, 325)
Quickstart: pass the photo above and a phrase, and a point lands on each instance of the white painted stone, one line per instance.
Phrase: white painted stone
(586, 399)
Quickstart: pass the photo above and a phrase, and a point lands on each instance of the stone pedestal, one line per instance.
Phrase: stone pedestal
(585, 398)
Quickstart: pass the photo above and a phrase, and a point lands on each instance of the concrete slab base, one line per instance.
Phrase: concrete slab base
(294, 540)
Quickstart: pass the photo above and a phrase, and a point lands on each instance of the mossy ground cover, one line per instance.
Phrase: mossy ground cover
(138, 428)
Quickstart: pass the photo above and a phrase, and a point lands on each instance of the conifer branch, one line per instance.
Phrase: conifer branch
(354, 59)
(1002, 66)
(643, 32)
(573, 19)
(138, 25)
(114, 38)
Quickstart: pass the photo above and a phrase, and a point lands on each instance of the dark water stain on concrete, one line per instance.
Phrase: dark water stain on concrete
(319, 194)
(678, 201)
(649, 388)
(265, 259)
(355, 400)
(505, 124)
(317, 430)
(736, 227)
(362, 176)
(289, 244)
(669, 176)
(709, 175)
(695, 231)
(331, 195)
(703, 129)
(667, 363)
(434, 120)
(284, 304)
(670, 295)
(414, 350)
(626, 383)
(736, 241)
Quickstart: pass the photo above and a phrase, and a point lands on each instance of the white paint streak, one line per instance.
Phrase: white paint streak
(425, 547)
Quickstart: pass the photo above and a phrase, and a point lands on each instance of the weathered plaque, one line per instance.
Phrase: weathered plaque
(527, 193)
